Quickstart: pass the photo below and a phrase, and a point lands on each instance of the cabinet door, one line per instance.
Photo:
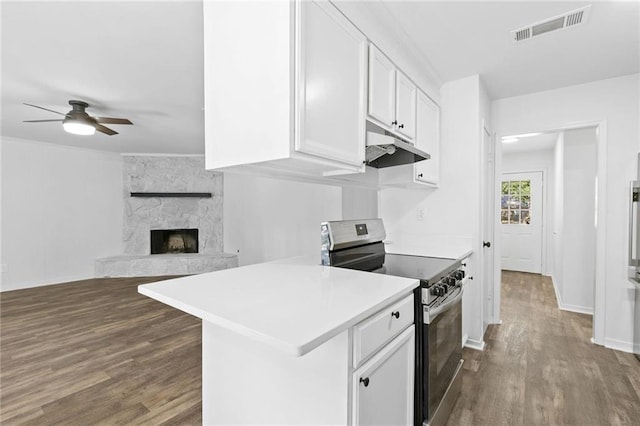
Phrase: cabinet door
(331, 84)
(405, 106)
(383, 386)
(428, 139)
(382, 75)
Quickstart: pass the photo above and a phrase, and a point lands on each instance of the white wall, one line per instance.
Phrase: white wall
(61, 209)
(538, 160)
(614, 103)
(579, 232)
(449, 210)
(266, 219)
(359, 203)
(452, 212)
(2, 266)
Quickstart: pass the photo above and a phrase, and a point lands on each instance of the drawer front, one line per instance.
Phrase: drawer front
(374, 332)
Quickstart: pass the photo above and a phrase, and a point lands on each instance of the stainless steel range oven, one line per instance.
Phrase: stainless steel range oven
(358, 244)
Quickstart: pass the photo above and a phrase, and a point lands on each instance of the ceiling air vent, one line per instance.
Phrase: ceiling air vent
(523, 34)
(569, 19)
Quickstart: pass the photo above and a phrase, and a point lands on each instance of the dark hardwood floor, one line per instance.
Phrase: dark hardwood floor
(539, 367)
(96, 352)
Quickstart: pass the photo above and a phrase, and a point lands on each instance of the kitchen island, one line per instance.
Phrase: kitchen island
(279, 338)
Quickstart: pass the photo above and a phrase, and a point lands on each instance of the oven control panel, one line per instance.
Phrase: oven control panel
(442, 288)
(361, 229)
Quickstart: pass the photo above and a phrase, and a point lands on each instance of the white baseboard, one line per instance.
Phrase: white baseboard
(555, 289)
(568, 307)
(41, 283)
(620, 345)
(575, 308)
(478, 345)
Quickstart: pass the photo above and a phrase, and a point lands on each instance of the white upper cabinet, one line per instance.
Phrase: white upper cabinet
(285, 88)
(424, 173)
(332, 62)
(405, 106)
(392, 96)
(428, 139)
(382, 87)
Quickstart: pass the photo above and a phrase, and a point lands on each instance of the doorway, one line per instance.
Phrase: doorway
(569, 229)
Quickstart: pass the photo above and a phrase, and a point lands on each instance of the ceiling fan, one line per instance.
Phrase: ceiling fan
(78, 122)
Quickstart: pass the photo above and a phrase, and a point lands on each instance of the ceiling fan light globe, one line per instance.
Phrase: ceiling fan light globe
(78, 128)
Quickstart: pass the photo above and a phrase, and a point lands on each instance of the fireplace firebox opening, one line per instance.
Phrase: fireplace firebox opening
(165, 241)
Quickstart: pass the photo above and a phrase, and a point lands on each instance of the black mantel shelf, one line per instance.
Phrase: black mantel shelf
(172, 194)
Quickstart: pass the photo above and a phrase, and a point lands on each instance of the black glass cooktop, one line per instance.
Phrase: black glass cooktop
(428, 270)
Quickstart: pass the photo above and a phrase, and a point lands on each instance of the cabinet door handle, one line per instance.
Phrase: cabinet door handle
(420, 175)
(364, 381)
(401, 126)
(395, 314)
(394, 122)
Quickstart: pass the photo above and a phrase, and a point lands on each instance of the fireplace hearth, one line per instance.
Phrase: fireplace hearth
(172, 241)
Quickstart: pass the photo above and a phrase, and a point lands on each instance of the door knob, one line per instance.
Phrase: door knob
(364, 381)
(486, 244)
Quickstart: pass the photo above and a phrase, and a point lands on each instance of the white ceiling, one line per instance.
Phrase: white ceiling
(143, 60)
(544, 141)
(460, 39)
(138, 60)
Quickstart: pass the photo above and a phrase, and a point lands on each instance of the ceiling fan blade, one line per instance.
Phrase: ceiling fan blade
(110, 120)
(46, 109)
(105, 130)
(38, 121)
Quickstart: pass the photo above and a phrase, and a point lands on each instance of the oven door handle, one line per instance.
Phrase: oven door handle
(430, 314)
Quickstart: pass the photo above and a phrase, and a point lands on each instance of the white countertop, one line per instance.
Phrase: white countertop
(294, 305)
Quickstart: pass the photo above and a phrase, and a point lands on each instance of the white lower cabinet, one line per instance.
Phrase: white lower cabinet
(326, 386)
(383, 386)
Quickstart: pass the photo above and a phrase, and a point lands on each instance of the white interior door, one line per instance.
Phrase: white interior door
(521, 222)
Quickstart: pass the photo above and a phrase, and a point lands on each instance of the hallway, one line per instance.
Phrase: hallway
(539, 367)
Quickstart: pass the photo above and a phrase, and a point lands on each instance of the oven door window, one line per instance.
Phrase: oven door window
(443, 351)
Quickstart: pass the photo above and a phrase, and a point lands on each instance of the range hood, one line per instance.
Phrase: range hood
(387, 151)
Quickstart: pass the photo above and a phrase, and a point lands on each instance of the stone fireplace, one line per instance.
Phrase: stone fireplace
(172, 207)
